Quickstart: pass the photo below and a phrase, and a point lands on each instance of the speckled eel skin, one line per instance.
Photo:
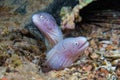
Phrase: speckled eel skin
(48, 26)
(66, 52)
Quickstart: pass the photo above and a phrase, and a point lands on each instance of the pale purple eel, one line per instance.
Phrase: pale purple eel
(48, 26)
(66, 52)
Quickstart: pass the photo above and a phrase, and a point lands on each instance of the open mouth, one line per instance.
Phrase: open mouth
(84, 45)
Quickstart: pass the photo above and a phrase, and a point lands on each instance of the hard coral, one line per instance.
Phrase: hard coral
(69, 17)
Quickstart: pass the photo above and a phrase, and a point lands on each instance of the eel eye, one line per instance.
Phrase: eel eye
(41, 17)
(75, 43)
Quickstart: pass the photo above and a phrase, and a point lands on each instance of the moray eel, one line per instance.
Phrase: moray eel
(48, 26)
(66, 52)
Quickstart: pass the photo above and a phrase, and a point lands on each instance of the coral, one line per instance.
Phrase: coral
(70, 16)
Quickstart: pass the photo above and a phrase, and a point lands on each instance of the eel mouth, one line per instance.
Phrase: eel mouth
(84, 45)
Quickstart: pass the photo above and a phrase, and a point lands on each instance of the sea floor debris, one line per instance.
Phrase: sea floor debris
(22, 57)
